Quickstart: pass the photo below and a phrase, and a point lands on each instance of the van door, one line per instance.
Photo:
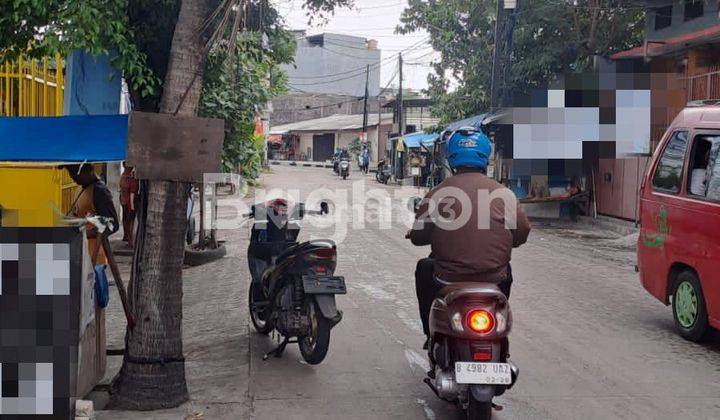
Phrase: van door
(701, 225)
(660, 209)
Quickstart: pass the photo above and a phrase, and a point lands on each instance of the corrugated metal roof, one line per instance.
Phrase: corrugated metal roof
(337, 122)
(413, 140)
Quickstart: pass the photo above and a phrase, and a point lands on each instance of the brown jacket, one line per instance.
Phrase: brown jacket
(470, 245)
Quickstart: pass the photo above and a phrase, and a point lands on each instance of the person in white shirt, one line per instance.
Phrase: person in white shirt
(698, 177)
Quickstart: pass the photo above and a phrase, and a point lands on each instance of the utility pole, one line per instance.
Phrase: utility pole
(494, 78)
(365, 104)
(401, 113)
(504, 26)
(401, 121)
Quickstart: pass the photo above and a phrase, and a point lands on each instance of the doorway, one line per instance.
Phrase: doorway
(323, 147)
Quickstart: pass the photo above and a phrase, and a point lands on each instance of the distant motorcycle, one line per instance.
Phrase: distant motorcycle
(344, 168)
(336, 163)
(383, 172)
(468, 345)
(293, 285)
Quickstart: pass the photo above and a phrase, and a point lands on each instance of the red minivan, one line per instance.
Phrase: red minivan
(679, 244)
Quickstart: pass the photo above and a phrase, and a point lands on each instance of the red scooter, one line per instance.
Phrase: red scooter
(468, 346)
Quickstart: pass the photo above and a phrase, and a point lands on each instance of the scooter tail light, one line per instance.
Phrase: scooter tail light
(480, 321)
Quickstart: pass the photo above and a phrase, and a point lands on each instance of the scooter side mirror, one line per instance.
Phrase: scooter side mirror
(324, 207)
(414, 203)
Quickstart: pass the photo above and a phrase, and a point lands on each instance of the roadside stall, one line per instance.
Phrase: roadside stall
(46, 274)
(412, 156)
(284, 147)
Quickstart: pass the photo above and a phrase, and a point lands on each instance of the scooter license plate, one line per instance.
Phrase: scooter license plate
(483, 373)
(324, 285)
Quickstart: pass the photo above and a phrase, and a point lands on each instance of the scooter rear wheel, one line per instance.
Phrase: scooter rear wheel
(259, 320)
(478, 410)
(314, 347)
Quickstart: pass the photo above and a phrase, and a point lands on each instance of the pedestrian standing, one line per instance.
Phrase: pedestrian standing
(93, 198)
(128, 191)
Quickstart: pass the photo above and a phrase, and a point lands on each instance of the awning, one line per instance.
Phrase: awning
(413, 140)
(274, 138)
(92, 138)
(337, 122)
(475, 121)
(651, 48)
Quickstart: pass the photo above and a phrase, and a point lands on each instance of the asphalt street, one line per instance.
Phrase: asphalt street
(589, 341)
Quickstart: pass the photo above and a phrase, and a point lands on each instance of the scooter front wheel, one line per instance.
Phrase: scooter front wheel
(258, 318)
(314, 347)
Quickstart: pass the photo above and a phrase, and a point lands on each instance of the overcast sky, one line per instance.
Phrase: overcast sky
(374, 19)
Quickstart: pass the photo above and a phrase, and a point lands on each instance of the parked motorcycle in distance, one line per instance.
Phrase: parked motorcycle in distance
(383, 172)
(344, 168)
(468, 345)
(293, 284)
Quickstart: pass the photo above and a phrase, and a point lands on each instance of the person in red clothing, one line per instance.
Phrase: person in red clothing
(128, 189)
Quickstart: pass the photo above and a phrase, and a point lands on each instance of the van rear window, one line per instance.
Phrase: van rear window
(713, 176)
(668, 174)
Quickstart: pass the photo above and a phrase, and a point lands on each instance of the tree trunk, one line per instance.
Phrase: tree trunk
(153, 371)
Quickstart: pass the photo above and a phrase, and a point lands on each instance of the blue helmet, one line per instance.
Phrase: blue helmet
(469, 148)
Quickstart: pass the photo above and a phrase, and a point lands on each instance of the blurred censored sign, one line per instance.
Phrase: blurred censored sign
(40, 271)
(174, 148)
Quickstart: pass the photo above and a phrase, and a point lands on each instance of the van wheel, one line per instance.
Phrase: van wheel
(688, 304)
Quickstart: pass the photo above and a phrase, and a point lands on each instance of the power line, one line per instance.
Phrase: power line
(353, 72)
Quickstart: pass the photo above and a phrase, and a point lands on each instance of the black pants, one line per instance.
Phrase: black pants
(427, 288)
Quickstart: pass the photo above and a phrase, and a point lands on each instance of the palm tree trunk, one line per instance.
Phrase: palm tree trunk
(153, 371)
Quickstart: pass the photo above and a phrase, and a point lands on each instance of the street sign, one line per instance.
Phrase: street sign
(174, 148)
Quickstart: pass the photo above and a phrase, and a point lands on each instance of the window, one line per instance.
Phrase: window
(663, 17)
(699, 164)
(713, 175)
(694, 9)
(669, 170)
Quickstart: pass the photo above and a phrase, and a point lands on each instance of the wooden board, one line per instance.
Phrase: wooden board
(174, 148)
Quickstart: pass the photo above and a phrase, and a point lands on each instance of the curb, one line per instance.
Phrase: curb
(304, 164)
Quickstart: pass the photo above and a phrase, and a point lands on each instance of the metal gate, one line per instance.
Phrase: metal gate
(323, 147)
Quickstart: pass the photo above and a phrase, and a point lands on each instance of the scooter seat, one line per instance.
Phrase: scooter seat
(457, 291)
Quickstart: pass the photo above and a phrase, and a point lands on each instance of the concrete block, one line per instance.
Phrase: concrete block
(84, 408)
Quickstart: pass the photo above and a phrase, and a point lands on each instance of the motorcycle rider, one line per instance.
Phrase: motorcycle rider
(465, 252)
(344, 154)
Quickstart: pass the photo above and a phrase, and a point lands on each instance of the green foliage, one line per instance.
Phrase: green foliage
(551, 37)
(320, 9)
(236, 87)
(152, 23)
(138, 32)
(356, 146)
(45, 27)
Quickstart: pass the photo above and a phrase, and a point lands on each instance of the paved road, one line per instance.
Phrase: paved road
(589, 341)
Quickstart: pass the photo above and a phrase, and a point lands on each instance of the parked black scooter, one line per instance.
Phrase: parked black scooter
(293, 287)
(383, 172)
